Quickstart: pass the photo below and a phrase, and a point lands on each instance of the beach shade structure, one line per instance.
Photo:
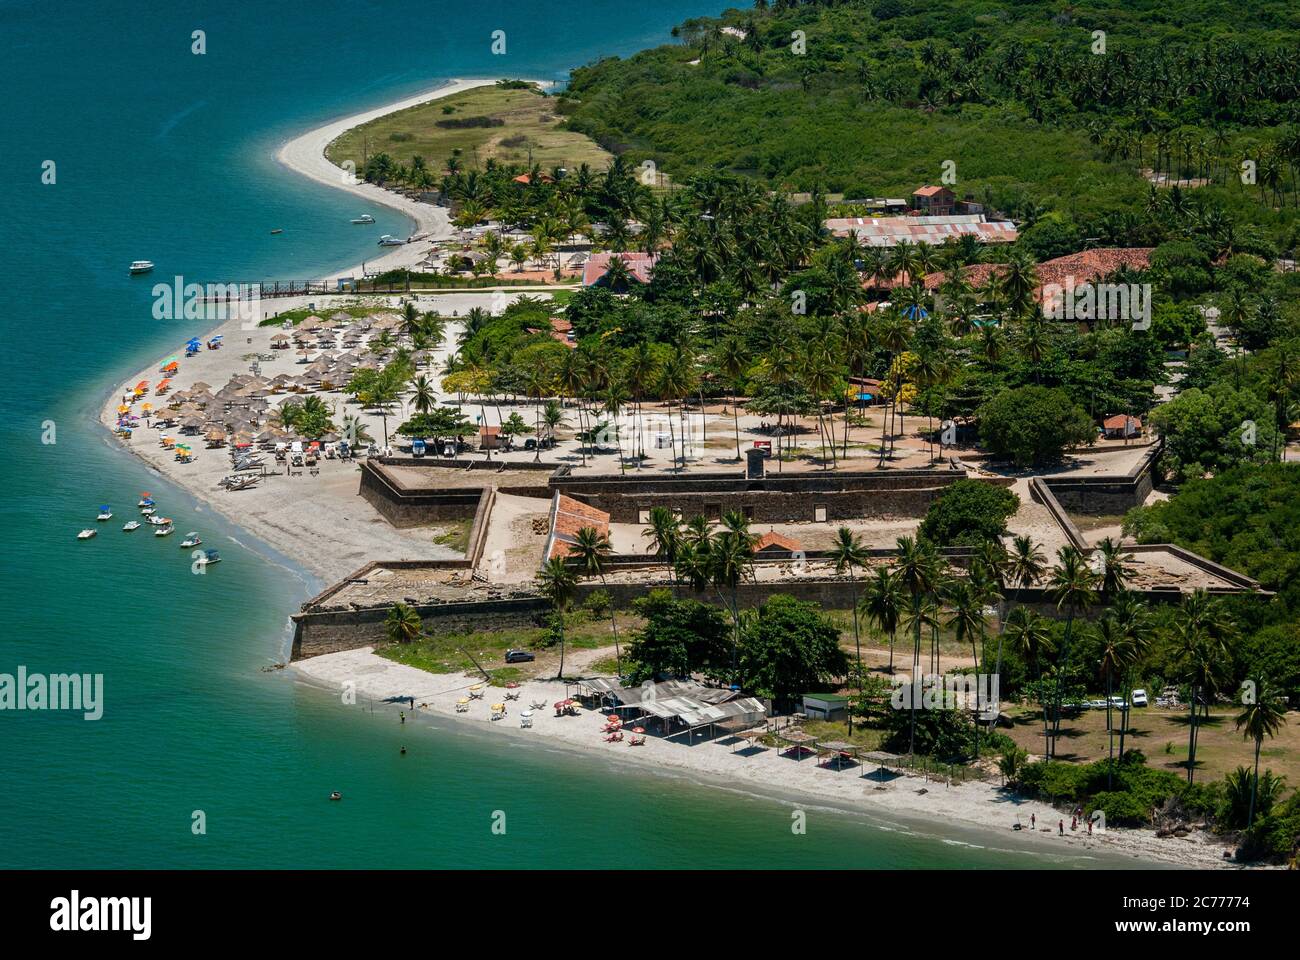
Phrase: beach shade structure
(123, 408)
(200, 385)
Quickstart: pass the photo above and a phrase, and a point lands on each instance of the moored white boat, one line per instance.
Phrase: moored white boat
(364, 218)
(105, 513)
(141, 266)
(390, 241)
(191, 540)
(209, 556)
(158, 521)
(131, 525)
(164, 531)
(86, 534)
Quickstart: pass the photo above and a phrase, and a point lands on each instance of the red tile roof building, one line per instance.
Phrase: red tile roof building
(639, 265)
(890, 231)
(568, 516)
(1083, 267)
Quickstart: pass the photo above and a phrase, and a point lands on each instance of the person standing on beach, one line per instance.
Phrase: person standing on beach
(1061, 826)
(1033, 822)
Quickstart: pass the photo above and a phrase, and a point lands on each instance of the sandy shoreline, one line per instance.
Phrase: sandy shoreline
(972, 806)
(304, 529)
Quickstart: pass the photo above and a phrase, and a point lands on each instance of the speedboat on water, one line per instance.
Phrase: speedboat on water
(390, 241)
(364, 218)
(164, 531)
(145, 500)
(209, 556)
(141, 266)
(131, 525)
(86, 534)
(191, 540)
(105, 513)
(158, 521)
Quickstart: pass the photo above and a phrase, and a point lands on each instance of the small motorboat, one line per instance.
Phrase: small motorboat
(277, 230)
(146, 511)
(131, 525)
(209, 556)
(364, 218)
(158, 521)
(145, 500)
(191, 540)
(390, 241)
(164, 531)
(336, 795)
(104, 513)
(141, 266)
(86, 534)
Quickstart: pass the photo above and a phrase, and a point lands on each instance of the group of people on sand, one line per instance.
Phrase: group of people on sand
(1075, 817)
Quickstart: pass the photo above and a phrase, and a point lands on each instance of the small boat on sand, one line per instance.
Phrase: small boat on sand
(191, 540)
(131, 525)
(364, 218)
(104, 513)
(86, 534)
(164, 531)
(389, 241)
(141, 266)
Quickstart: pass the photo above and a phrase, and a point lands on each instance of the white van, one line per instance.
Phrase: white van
(1139, 698)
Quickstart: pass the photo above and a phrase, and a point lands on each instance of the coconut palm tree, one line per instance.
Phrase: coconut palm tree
(591, 550)
(847, 553)
(665, 536)
(1115, 572)
(731, 556)
(1075, 587)
(1028, 635)
(423, 396)
(402, 625)
(882, 605)
(967, 624)
(732, 358)
(1199, 636)
(557, 584)
(1115, 656)
(1262, 716)
(917, 569)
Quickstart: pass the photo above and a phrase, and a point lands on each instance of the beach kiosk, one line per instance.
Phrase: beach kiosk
(825, 706)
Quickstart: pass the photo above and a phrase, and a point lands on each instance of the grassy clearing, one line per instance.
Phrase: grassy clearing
(528, 127)
(454, 534)
(1162, 736)
(451, 652)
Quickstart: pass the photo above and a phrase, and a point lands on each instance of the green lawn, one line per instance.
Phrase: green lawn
(529, 127)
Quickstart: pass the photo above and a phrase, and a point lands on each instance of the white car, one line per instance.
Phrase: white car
(1095, 704)
(1118, 703)
(1139, 698)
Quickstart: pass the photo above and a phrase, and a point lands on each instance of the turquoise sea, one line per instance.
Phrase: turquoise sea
(165, 155)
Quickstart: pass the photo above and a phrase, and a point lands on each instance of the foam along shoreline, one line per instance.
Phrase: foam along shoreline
(305, 154)
(932, 807)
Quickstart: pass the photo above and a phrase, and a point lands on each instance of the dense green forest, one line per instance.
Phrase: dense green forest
(1036, 122)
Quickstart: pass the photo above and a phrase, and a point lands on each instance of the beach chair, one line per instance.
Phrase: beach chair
(498, 711)
(637, 741)
(476, 692)
(526, 719)
(614, 737)
(462, 705)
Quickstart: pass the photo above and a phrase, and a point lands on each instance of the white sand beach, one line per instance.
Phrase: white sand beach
(331, 531)
(974, 804)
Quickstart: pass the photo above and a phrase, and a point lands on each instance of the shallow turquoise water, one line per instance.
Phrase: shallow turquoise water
(169, 156)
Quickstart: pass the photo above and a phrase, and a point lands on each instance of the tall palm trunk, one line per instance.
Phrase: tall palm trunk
(1254, 786)
(857, 641)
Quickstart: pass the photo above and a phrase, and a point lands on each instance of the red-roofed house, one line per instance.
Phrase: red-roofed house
(1121, 426)
(640, 265)
(773, 544)
(934, 201)
(1077, 268)
(568, 516)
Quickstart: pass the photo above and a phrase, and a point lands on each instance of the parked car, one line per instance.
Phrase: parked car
(1118, 703)
(519, 656)
(1139, 698)
(1096, 704)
